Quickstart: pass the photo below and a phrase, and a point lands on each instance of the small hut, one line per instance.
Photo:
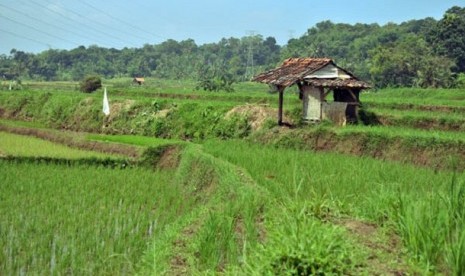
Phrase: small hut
(138, 80)
(316, 78)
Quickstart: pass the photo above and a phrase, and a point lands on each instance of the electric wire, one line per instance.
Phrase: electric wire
(25, 37)
(120, 20)
(46, 23)
(89, 27)
(101, 25)
(38, 30)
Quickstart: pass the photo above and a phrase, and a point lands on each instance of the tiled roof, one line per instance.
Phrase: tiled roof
(295, 69)
(338, 83)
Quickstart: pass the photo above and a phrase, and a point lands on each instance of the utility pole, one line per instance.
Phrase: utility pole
(249, 72)
(291, 34)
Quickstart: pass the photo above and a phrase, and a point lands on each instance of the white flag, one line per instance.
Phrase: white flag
(106, 105)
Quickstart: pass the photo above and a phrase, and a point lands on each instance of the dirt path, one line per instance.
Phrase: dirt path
(384, 250)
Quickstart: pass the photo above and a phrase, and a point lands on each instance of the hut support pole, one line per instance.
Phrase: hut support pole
(280, 108)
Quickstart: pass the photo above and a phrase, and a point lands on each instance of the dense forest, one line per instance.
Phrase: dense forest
(421, 53)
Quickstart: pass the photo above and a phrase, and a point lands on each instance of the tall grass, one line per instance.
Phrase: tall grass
(433, 228)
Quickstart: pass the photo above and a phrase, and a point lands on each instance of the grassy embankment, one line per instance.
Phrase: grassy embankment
(132, 113)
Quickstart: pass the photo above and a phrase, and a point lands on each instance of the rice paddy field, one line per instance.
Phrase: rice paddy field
(210, 185)
(20, 145)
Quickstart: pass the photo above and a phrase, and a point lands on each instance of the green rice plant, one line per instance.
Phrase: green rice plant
(20, 145)
(455, 206)
(217, 246)
(456, 258)
(81, 220)
(415, 96)
(433, 227)
(422, 232)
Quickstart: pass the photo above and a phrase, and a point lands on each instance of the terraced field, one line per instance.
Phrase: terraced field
(206, 183)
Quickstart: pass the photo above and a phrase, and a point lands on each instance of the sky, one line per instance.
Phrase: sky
(34, 26)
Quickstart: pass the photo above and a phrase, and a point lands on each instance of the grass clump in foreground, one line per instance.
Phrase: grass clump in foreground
(299, 243)
(433, 228)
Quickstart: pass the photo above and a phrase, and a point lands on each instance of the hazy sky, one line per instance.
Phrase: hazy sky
(37, 25)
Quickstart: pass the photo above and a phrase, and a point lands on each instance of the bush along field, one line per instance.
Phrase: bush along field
(208, 184)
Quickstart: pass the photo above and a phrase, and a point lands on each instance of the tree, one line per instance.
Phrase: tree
(410, 62)
(214, 79)
(21, 62)
(90, 84)
(448, 37)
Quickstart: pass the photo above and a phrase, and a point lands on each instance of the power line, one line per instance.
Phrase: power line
(105, 26)
(46, 23)
(25, 37)
(120, 20)
(100, 24)
(38, 30)
(90, 27)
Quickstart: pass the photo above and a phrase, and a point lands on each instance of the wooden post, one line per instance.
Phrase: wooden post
(353, 94)
(280, 108)
(325, 94)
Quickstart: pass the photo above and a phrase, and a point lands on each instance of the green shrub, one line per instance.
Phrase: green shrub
(460, 81)
(300, 244)
(214, 79)
(90, 84)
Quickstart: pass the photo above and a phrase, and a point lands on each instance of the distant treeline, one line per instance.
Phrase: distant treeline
(422, 53)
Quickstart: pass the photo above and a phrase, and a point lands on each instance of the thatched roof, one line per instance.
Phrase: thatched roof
(295, 70)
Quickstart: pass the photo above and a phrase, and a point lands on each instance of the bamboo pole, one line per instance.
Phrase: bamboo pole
(280, 109)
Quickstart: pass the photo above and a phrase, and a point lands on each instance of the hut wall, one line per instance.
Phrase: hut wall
(336, 112)
(344, 95)
(312, 98)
